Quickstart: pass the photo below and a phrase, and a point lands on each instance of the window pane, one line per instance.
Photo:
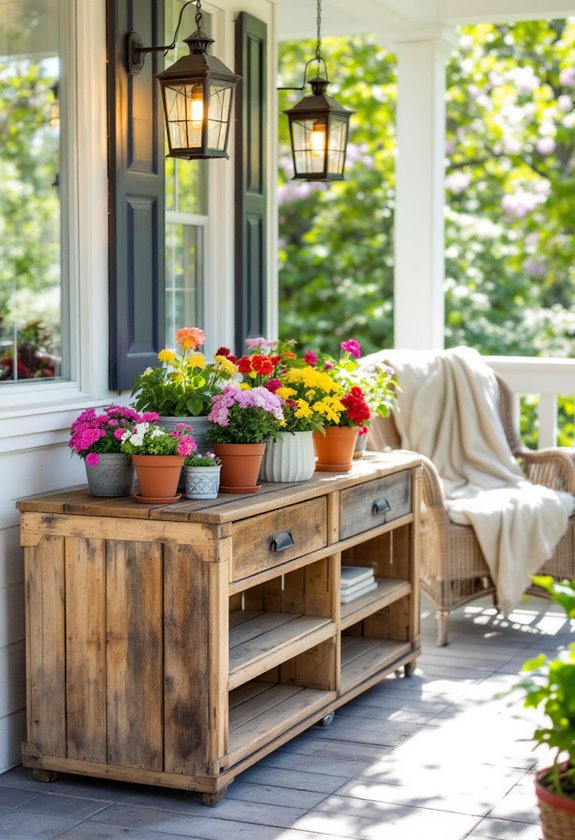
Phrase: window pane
(184, 265)
(30, 228)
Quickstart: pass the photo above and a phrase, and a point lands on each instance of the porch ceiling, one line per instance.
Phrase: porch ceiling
(400, 20)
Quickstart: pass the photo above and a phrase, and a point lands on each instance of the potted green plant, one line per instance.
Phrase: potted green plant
(158, 455)
(202, 475)
(241, 422)
(96, 438)
(549, 684)
(181, 389)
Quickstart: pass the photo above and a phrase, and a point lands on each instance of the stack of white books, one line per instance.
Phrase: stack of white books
(355, 582)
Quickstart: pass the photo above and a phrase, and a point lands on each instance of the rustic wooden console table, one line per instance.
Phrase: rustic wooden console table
(178, 645)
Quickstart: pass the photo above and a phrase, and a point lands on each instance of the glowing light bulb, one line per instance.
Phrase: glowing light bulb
(197, 104)
(318, 137)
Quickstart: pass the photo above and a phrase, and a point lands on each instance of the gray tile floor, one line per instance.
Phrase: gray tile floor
(439, 756)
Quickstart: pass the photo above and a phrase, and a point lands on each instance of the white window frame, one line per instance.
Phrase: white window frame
(50, 406)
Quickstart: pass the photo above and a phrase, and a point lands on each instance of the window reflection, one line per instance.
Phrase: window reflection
(30, 228)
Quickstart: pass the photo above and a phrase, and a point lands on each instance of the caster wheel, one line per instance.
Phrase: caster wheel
(327, 720)
(211, 799)
(45, 775)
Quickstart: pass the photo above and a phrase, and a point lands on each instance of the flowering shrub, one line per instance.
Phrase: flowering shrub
(185, 384)
(197, 459)
(241, 415)
(93, 434)
(147, 438)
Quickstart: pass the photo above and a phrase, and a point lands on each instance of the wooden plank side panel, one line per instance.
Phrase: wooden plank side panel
(187, 661)
(45, 593)
(86, 648)
(135, 654)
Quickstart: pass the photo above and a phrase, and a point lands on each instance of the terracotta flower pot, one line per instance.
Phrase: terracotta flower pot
(240, 466)
(335, 448)
(158, 477)
(557, 812)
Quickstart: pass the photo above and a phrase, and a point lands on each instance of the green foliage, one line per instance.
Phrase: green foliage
(336, 271)
(549, 684)
(510, 253)
(510, 178)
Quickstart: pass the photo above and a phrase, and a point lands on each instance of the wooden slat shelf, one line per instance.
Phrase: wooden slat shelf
(360, 658)
(265, 715)
(268, 639)
(388, 590)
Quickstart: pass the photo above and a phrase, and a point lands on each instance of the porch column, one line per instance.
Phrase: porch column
(419, 208)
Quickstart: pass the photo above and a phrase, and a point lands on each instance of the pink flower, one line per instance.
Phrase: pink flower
(272, 385)
(352, 347)
(92, 459)
(310, 358)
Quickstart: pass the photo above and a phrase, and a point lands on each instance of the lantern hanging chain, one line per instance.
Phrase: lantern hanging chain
(198, 6)
(318, 22)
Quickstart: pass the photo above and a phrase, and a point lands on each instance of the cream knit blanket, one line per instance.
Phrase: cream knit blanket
(448, 411)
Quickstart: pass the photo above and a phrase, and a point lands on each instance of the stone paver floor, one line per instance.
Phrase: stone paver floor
(439, 756)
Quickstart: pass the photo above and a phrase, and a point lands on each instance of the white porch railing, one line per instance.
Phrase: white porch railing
(548, 378)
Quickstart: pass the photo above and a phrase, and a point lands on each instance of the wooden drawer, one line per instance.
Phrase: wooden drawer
(271, 539)
(374, 503)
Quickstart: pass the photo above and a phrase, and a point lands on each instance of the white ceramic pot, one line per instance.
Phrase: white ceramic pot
(290, 458)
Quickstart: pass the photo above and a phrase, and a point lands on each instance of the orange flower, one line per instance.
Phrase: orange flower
(190, 338)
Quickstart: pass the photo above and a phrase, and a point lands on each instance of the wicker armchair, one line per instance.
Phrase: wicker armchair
(453, 569)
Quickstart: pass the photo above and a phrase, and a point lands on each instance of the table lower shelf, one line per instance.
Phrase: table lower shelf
(362, 658)
(260, 712)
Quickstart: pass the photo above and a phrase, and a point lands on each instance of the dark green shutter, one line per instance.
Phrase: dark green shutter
(136, 194)
(251, 188)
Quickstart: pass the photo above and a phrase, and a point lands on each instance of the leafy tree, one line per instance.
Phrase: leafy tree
(336, 252)
(510, 250)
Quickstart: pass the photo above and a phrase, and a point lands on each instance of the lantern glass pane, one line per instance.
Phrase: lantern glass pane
(220, 97)
(308, 146)
(184, 116)
(337, 143)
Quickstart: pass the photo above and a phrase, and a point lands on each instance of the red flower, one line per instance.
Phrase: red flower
(245, 365)
(357, 410)
(262, 365)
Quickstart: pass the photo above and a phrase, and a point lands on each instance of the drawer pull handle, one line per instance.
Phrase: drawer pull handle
(380, 506)
(281, 541)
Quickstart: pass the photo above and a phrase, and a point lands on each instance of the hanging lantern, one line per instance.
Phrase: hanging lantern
(318, 126)
(318, 133)
(197, 94)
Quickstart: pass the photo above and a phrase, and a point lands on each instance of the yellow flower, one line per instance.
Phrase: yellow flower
(167, 356)
(331, 408)
(245, 386)
(285, 393)
(225, 364)
(197, 360)
(303, 409)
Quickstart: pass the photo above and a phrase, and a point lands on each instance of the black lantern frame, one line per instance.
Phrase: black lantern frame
(197, 94)
(319, 126)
